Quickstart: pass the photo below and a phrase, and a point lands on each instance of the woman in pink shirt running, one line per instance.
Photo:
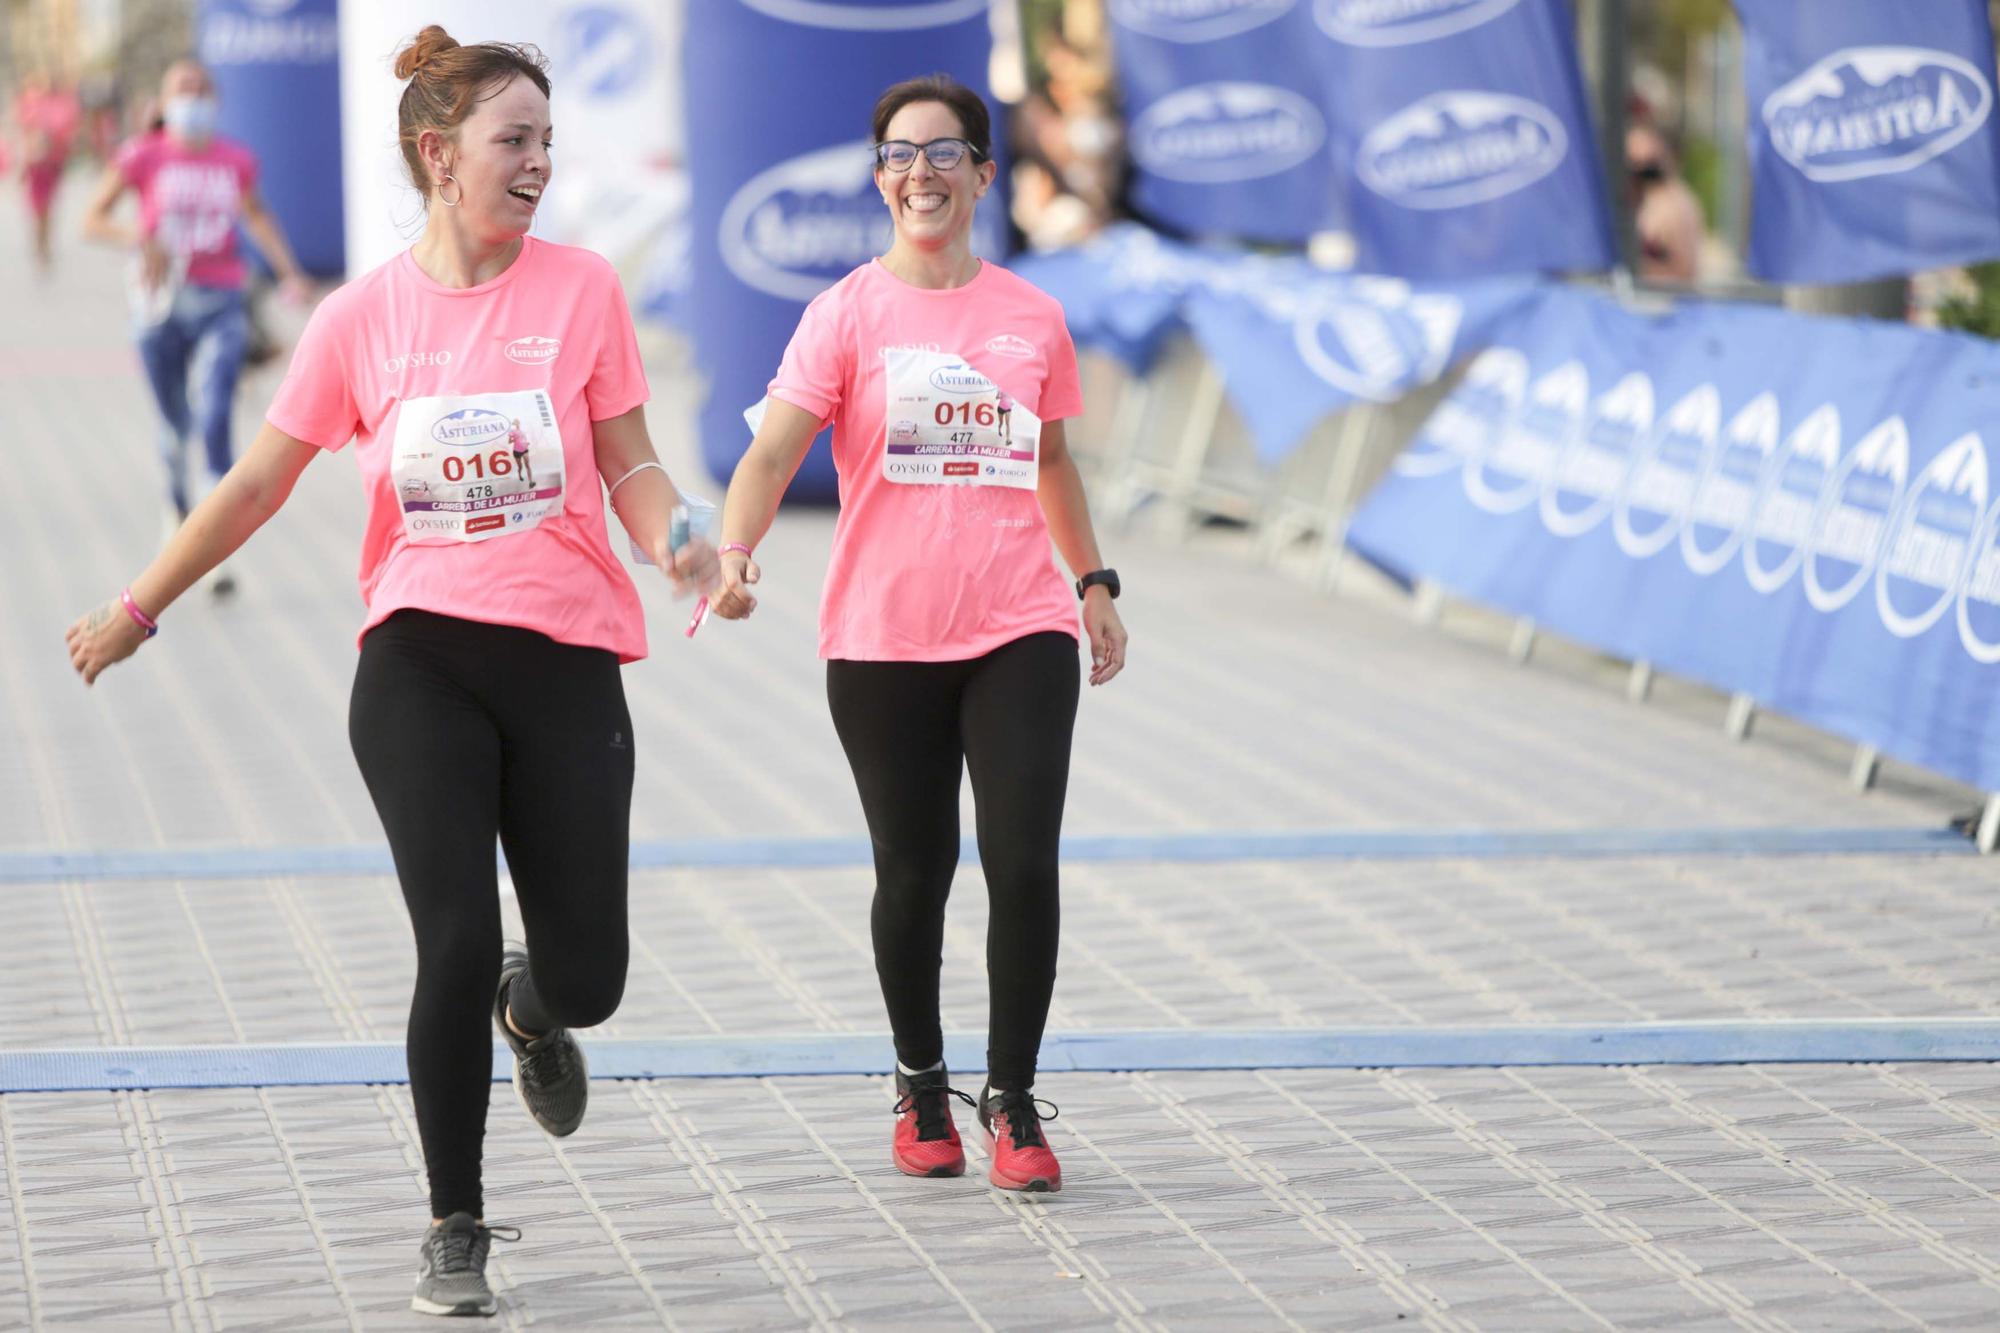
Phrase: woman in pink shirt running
(487, 701)
(950, 638)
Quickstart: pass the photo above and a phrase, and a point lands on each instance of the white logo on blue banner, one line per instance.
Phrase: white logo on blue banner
(1592, 471)
(1452, 149)
(1191, 21)
(1793, 488)
(1376, 339)
(1213, 133)
(1979, 593)
(608, 50)
(844, 16)
(1847, 532)
(1402, 22)
(1725, 497)
(1466, 423)
(1649, 511)
(1523, 457)
(1876, 110)
(1931, 538)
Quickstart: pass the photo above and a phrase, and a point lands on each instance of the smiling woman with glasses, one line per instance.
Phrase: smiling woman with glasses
(950, 638)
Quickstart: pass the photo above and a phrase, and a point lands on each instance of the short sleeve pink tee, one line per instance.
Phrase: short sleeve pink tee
(556, 322)
(931, 573)
(191, 200)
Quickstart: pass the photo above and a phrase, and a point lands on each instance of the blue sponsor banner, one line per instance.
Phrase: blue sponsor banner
(1872, 137)
(1225, 122)
(276, 65)
(784, 199)
(1800, 510)
(1465, 128)
(1294, 343)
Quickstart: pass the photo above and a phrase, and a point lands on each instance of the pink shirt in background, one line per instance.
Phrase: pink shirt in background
(556, 321)
(931, 573)
(191, 200)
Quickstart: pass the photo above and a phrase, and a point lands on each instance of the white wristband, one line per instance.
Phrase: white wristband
(613, 492)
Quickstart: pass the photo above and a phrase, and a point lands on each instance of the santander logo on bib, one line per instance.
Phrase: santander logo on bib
(473, 427)
(534, 351)
(1876, 110)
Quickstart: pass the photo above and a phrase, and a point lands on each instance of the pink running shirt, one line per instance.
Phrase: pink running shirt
(556, 323)
(191, 199)
(931, 573)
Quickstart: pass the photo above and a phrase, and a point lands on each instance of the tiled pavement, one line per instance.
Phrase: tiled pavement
(1782, 1197)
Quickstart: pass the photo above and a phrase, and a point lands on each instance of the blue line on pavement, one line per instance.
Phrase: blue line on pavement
(807, 853)
(1816, 1041)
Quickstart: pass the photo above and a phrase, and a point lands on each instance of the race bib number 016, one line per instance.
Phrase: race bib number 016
(948, 425)
(468, 467)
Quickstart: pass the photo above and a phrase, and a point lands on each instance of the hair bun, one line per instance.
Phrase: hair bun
(425, 47)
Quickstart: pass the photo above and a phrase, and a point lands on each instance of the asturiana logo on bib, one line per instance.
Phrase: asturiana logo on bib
(794, 229)
(961, 379)
(1211, 133)
(1876, 110)
(471, 426)
(533, 350)
(1457, 148)
(1402, 22)
(1197, 20)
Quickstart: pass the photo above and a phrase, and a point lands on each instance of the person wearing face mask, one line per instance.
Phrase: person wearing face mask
(194, 189)
(949, 637)
(487, 700)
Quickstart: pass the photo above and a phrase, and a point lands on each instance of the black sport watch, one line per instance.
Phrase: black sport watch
(1107, 577)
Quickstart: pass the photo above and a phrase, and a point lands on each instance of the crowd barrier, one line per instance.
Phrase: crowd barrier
(1796, 511)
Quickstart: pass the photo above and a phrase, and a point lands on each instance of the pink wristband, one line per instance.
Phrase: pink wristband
(734, 546)
(139, 618)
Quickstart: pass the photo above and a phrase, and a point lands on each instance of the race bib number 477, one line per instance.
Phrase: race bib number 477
(947, 424)
(469, 467)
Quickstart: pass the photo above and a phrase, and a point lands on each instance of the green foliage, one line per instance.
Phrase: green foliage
(1978, 312)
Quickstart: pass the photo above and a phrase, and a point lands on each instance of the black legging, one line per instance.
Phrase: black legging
(465, 730)
(906, 727)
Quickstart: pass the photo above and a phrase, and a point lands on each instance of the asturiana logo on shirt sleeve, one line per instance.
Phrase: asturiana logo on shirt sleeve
(1213, 133)
(473, 427)
(1876, 110)
(1403, 22)
(1191, 21)
(534, 350)
(1452, 149)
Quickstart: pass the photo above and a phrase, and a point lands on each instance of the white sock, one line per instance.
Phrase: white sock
(911, 1073)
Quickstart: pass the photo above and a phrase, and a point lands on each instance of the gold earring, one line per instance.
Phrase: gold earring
(450, 203)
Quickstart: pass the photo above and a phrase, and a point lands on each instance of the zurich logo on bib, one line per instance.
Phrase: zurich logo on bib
(1403, 22)
(1191, 21)
(1452, 149)
(1216, 132)
(472, 427)
(1876, 110)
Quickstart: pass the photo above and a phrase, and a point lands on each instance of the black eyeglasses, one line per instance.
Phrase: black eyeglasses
(899, 155)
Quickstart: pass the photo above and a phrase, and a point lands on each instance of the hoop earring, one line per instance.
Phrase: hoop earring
(450, 203)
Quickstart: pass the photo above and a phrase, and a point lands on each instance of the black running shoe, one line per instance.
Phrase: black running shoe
(550, 1074)
(451, 1278)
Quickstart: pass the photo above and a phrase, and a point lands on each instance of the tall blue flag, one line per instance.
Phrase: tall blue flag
(1872, 137)
(1466, 131)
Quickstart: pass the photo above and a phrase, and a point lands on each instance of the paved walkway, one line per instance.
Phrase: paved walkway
(1773, 1197)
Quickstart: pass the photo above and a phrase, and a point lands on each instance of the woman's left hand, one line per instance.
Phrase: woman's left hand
(1107, 636)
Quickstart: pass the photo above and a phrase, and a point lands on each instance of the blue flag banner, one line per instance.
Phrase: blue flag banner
(1800, 510)
(1226, 124)
(1873, 142)
(1294, 343)
(1466, 128)
(277, 79)
(784, 199)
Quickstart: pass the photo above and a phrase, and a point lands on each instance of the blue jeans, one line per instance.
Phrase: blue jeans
(205, 330)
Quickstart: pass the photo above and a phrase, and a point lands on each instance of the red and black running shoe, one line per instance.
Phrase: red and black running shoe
(1022, 1159)
(927, 1142)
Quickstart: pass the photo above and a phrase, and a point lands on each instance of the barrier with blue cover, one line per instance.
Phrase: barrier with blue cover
(1449, 137)
(784, 201)
(1800, 510)
(1873, 141)
(276, 68)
